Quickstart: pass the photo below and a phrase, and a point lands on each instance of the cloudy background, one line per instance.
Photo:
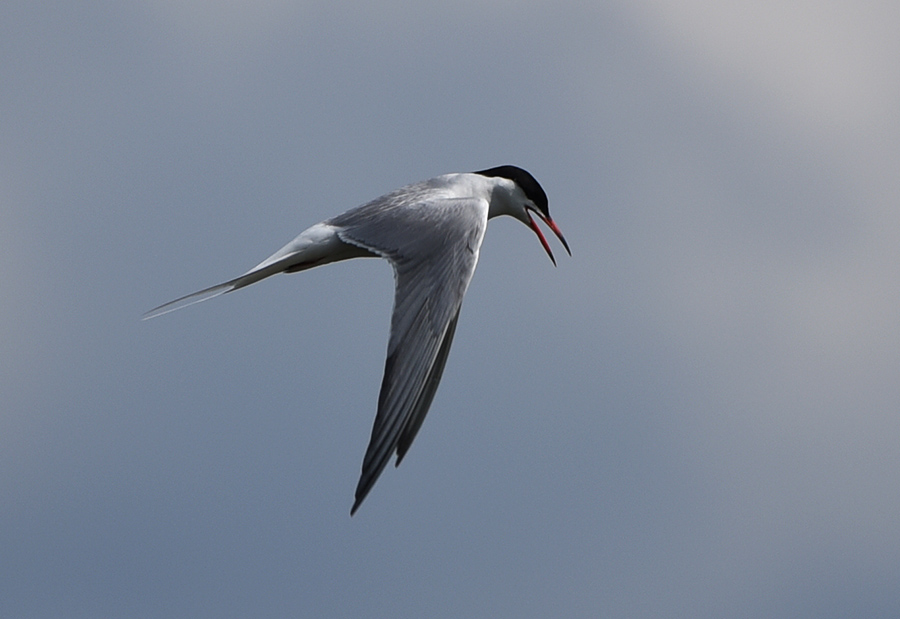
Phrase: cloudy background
(697, 415)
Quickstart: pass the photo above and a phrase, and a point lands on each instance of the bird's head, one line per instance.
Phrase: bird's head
(519, 194)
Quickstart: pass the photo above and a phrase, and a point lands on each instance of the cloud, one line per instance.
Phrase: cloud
(827, 65)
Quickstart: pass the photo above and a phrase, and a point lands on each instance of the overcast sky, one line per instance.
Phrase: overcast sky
(696, 415)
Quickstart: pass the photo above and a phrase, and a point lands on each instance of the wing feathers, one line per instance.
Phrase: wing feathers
(412, 394)
(433, 244)
(434, 252)
(427, 394)
(317, 245)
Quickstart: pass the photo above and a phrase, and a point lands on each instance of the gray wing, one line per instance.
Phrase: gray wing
(315, 246)
(433, 248)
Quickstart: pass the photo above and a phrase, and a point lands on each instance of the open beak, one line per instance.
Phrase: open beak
(550, 224)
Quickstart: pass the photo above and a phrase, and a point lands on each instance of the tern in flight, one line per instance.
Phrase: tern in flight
(431, 233)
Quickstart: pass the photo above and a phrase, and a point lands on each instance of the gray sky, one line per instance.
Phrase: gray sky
(697, 415)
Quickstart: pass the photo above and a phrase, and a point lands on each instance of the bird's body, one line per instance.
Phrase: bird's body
(431, 233)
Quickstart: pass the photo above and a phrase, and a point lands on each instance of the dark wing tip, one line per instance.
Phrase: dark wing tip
(356, 505)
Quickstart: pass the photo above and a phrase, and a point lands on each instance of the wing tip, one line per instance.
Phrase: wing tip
(362, 491)
(187, 300)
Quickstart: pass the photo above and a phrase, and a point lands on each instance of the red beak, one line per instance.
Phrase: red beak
(552, 225)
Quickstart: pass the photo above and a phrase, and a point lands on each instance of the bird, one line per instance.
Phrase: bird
(431, 234)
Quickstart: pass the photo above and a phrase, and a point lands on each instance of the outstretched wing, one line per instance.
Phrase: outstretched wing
(433, 248)
(315, 246)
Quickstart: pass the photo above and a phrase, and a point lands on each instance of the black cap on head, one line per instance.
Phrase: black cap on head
(522, 178)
